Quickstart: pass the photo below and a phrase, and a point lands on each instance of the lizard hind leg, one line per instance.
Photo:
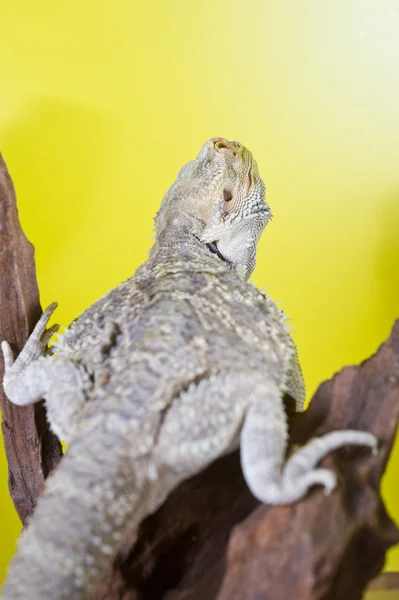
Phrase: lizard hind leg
(202, 424)
(263, 448)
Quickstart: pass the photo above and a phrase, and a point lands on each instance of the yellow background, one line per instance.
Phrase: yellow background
(102, 102)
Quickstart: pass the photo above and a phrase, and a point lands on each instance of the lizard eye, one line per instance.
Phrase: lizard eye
(227, 195)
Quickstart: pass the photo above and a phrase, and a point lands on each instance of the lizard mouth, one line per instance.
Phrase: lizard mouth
(215, 250)
(212, 247)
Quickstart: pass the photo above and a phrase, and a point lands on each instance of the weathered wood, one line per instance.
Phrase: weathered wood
(32, 451)
(323, 548)
(327, 547)
(385, 581)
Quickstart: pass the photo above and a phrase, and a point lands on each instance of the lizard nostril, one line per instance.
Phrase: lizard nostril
(220, 145)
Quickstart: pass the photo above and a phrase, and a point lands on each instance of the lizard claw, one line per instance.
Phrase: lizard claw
(323, 477)
(19, 382)
(7, 356)
(35, 347)
(49, 333)
(300, 468)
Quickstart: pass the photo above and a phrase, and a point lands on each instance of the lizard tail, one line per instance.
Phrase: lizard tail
(86, 509)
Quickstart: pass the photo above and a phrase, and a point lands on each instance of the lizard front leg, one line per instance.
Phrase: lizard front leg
(35, 375)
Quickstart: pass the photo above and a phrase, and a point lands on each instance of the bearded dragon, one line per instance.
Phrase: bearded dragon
(177, 366)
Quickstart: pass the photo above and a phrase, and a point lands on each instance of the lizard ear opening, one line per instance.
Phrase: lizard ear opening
(227, 195)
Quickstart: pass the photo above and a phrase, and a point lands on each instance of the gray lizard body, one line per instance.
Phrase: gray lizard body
(175, 367)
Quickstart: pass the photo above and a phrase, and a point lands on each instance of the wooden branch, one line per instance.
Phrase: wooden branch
(211, 539)
(323, 548)
(32, 451)
(327, 547)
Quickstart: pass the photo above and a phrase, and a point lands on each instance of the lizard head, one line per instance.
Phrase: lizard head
(220, 199)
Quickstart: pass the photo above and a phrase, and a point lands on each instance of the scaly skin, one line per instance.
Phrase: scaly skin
(175, 367)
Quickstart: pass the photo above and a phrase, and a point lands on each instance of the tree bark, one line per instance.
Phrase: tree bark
(32, 450)
(211, 539)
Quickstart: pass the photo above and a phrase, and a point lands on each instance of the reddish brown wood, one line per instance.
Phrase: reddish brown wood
(385, 581)
(323, 548)
(327, 547)
(32, 451)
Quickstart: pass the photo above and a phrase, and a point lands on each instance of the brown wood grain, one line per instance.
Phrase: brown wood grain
(212, 540)
(386, 581)
(32, 451)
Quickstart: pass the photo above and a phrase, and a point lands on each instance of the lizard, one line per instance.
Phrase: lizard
(180, 364)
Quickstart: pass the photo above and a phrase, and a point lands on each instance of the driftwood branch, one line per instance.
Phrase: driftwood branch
(32, 451)
(211, 539)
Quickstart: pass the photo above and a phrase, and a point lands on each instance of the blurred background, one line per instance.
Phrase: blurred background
(101, 103)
